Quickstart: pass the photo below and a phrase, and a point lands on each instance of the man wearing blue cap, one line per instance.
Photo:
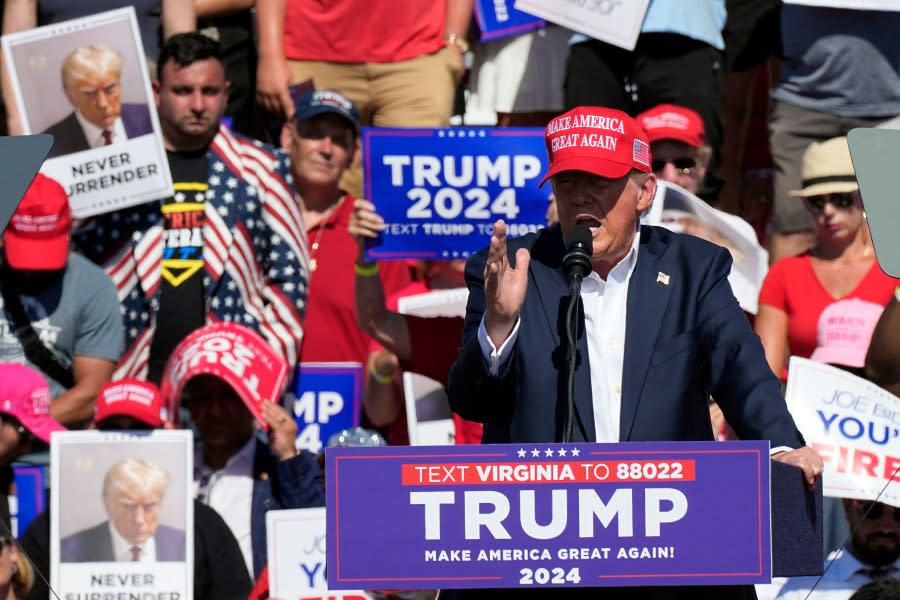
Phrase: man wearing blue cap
(321, 139)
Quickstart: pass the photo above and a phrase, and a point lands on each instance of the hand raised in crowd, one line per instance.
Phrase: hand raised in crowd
(807, 460)
(365, 223)
(273, 77)
(504, 286)
(282, 430)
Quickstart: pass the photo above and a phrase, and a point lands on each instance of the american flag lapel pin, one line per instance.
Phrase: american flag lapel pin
(662, 278)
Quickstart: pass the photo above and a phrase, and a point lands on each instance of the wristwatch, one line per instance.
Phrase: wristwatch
(461, 44)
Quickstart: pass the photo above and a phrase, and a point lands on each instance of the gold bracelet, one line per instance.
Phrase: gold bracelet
(379, 377)
(366, 271)
(461, 44)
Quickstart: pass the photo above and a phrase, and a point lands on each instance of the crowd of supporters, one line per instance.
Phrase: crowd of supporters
(746, 104)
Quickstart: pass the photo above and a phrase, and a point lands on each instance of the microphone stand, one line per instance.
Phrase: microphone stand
(571, 353)
(576, 264)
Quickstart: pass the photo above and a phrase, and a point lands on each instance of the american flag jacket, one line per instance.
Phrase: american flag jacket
(254, 251)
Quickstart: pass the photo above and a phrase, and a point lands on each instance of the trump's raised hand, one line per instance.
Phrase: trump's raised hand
(504, 286)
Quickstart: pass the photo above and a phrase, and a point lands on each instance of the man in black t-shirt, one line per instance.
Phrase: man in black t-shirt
(227, 246)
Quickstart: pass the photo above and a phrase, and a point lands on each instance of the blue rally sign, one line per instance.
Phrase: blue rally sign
(328, 400)
(498, 19)
(28, 501)
(549, 515)
(441, 190)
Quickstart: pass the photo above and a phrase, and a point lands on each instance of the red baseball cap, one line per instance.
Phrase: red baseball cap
(602, 141)
(25, 395)
(130, 397)
(37, 237)
(672, 122)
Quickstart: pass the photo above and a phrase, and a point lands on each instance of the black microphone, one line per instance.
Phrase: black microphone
(576, 264)
(577, 261)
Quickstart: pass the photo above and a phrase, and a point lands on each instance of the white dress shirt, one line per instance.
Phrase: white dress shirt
(230, 492)
(605, 312)
(845, 576)
(94, 134)
(122, 547)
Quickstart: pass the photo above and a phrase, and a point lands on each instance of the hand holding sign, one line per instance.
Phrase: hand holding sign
(282, 430)
(504, 286)
(365, 223)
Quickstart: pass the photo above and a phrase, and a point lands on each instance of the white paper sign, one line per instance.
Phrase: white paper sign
(677, 209)
(616, 22)
(114, 491)
(853, 424)
(428, 414)
(851, 4)
(133, 168)
(296, 550)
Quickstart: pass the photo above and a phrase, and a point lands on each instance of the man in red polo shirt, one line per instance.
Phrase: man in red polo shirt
(321, 139)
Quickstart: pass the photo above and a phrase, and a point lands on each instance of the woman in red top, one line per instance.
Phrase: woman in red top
(841, 266)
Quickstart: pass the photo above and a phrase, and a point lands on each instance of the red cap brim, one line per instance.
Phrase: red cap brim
(597, 166)
(35, 255)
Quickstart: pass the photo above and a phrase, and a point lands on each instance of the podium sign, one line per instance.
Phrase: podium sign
(549, 515)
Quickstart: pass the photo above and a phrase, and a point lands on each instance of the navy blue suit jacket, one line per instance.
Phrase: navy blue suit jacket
(68, 136)
(95, 545)
(684, 341)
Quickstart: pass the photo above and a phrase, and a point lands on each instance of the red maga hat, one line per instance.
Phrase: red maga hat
(602, 141)
(130, 397)
(37, 237)
(672, 122)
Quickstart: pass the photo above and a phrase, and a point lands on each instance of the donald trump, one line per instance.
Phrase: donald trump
(133, 491)
(91, 78)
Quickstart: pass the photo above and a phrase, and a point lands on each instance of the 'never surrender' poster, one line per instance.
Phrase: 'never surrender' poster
(549, 515)
(86, 83)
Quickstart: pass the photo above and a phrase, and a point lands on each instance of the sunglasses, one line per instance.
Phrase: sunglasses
(685, 165)
(839, 201)
(875, 510)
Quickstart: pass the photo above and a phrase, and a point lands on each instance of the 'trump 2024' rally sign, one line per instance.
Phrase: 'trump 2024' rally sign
(549, 515)
(440, 190)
